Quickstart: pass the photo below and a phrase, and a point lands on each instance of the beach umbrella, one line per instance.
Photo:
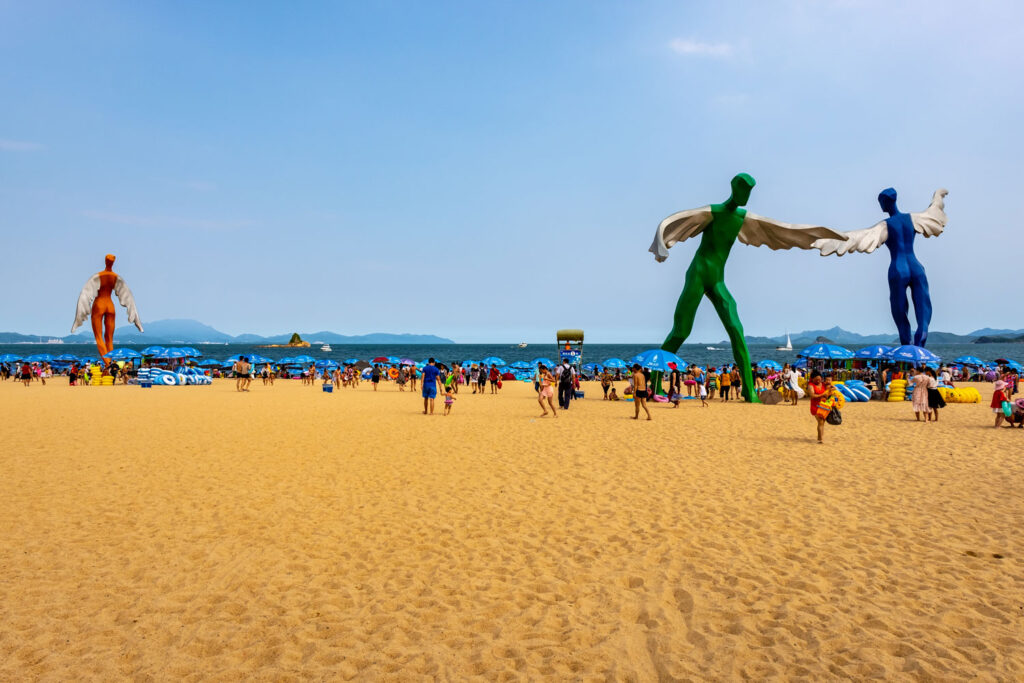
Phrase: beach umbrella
(361, 365)
(40, 358)
(769, 364)
(909, 353)
(546, 361)
(152, 350)
(407, 361)
(304, 360)
(876, 352)
(770, 397)
(615, 364)
(1013, 365)
(123, 354)
(467, 363)
(658, 359)
(326, 363)
(351, 361)
(969, 360)
(66, 358)
(522, 365)
(826, 352)
(380, 359)
(209, 361)
(257, 358)
(9, 358)
(800, 364)
(492, 360)
(193, 352)
(172, 353)
(508, 376)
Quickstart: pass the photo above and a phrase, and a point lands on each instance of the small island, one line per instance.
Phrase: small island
(294, 342)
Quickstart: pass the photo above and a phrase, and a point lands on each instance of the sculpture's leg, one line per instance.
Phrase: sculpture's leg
(97, 332)
(108, 332)
(899, 307)
(682, 320)
(726, 307)
(922, 307)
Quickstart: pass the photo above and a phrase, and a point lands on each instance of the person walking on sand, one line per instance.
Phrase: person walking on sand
(639, 392)
(920, 396)
(725, 382)
(449, 399)
(819, 389)
(547, 391)
(999, 396)
(565, 384)
(935, 400)
(703, 388)
(236, 369)
(430, 373)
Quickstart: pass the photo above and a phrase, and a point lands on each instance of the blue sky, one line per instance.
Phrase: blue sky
(495, 171)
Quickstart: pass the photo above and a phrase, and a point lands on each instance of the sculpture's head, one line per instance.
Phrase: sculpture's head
(887, 200)
(742, 184)
(109, 260)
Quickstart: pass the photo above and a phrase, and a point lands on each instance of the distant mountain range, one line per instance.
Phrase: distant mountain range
(838, 335)
(194, 332)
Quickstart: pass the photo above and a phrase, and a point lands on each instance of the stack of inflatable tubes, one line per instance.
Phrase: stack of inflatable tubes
(167, 378)
(898, 390)
(960, 395)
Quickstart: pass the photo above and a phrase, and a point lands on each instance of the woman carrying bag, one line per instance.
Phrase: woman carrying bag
(825, 402)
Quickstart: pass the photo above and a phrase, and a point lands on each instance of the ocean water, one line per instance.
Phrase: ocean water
(447, 353)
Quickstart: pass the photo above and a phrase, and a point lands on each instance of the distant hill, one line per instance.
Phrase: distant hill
(16, 338)
(838, 335)
(999, 339)
(184, 331)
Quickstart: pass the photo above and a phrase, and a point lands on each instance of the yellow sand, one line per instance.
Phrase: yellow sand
(185, 533)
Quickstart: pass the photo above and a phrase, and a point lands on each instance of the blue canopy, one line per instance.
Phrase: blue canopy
(767, 363)
(492, 360)
(123, 354)
(826, 352)
(1013, 365)
(40, 358)
(591, 366)
(306, 360)
(193, 352)
(615, 364)
(467, 363)
(152, 350)
(912, 354)
(172, 353)
(9, 358)
(876, 352)
(66, 357)
(969, 360)
(326, 363)
(658, 359)
(546, 361)
(351, 361)
(209, 361)
(523, 365)
(257, 358)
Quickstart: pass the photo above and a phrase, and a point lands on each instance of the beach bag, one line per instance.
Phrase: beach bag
(834, 417)
(825, 406)
(1007, 409)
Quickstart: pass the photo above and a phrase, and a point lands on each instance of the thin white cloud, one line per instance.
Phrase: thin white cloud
(684, 46)
(166, 222)
(19, 146)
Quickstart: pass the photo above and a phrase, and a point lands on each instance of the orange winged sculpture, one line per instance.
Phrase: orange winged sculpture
(95, 302)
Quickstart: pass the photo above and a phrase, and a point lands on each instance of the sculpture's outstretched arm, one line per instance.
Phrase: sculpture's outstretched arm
(932, 220)
(678, 227)
(88, 295)
(759, 231)
(864, 241)
(124, 295)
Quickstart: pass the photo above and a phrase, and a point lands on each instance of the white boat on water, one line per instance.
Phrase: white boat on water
(326, 348)
(522, 345)
(788, 346)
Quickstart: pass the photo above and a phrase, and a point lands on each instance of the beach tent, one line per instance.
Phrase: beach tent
(825, 352)
(876, 352)
(658, 359)
(615, 364)
(909, 353)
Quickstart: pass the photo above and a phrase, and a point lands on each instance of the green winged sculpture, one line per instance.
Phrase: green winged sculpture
(719, 226)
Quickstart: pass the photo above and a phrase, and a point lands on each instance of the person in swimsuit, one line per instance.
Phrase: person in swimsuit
(817, 389)
(449, 399)
(639, 392)
(547, 391)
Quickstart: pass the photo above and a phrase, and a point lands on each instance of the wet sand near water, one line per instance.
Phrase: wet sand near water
(186, 533)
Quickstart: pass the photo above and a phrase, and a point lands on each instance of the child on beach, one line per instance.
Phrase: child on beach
(613, 395)
(703, 395)
(998, 397)
(449, 398)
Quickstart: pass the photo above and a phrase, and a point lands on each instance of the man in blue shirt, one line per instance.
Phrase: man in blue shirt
(430, 373)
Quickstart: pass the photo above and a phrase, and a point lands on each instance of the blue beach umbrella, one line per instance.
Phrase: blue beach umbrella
(546, 361)
(492, 360)
(769, 364)
(969, 360)
(152, 350)
(66, 358)
(210, 362)
(1013, 365)
(326, 363)
(615, 364)
(467, 363)
(192, 351)
(523, 365)
(123, 354)
(305, 360)
(172, 353)
(590, 367)
(658, 359)
(876, 352)
(40, 358)
(9, 358)
(257, 358)
(912, 354)
(826, 352)
(351, 361)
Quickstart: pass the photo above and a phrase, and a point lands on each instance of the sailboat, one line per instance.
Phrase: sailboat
(788, 346)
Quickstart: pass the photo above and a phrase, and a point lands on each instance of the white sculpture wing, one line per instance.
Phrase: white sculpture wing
(864, 241)
(678, 227)
(759, 231)
(85, 299)
(932, 220)
(124, 295)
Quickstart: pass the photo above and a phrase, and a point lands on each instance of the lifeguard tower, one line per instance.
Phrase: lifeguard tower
(570, 346)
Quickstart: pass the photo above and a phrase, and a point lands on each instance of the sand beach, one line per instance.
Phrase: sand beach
(194, 533)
